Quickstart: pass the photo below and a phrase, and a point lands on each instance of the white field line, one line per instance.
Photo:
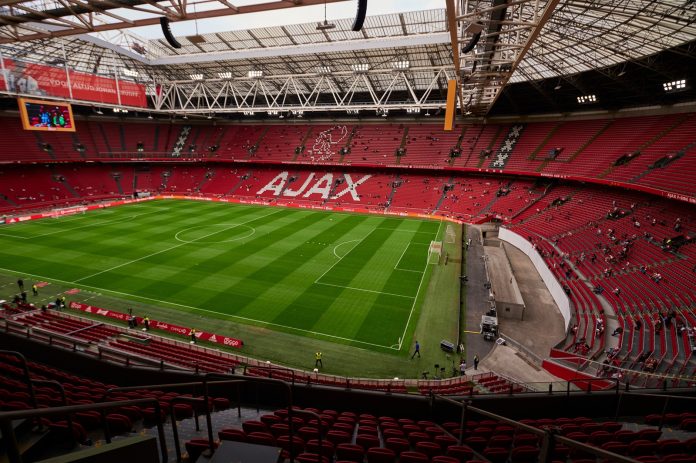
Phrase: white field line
(172, 247)
(341, 244)
(341, 258)
(415, 299)
(14, 236)
(396, 267)
(404, 231)
(364, 290)
(145, 298)
(97, 224)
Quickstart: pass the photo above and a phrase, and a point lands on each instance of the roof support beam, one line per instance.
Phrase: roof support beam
(179, 11)
(307, 49)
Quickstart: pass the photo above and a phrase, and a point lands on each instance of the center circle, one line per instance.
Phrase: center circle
(214, 233)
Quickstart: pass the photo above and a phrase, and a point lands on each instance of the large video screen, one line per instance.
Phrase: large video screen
(55, 116)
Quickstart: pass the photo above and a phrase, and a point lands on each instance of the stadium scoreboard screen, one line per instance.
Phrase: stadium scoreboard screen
(54, 116)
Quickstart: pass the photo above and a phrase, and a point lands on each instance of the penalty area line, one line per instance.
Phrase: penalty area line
(198, 309)
(415, 299)
(364, 290)
(341, 258)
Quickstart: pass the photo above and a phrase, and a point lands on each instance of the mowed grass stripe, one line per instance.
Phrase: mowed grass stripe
(266, 277)
(167, 273)
(247, 262)
(136, 243)
(240, 264)
(81, 253)
(85, 253)
(370, 263)
(300, 265)
(384, 309)
(307, 308)
(265, 292)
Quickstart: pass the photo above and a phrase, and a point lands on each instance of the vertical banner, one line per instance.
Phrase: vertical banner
(451, 104)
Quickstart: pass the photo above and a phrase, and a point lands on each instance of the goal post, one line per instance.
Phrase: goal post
(450, 235)
(435, 252)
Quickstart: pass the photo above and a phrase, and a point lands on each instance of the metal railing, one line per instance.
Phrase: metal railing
(193, 400)
(245, 363)
(8, 431)
(667, 398)
(549, 435)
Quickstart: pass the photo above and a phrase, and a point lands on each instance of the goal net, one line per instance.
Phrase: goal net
(450, 235)
(435, 252)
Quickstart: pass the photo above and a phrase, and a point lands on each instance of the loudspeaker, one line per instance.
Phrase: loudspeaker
(164, 22)
(472, 43)
(360, 16)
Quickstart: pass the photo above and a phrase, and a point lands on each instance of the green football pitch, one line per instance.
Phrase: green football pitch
(345, 278)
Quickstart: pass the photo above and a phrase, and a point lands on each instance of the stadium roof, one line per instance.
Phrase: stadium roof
(398, 61)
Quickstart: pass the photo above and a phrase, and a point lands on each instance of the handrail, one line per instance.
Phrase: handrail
(291, 410)
(350, 383)
(6, 419)
(667, 398)
(25, 369)
(177, 445)
(271, 369)
(175, 429)
(549, 435)
(143, 360)
(63, 399)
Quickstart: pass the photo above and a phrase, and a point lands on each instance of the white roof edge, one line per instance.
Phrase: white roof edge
(307, 49)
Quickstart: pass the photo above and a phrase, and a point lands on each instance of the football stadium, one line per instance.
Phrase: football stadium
(368, 231)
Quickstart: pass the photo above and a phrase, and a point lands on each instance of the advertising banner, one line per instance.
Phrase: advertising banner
(43, 80)
(157, 325)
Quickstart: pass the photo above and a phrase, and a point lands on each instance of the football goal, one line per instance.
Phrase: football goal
(435, 252)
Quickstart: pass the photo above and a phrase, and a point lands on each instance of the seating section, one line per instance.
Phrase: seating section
(45, 387)
(651, 150)
(316, 434)
(633, 254)
(358, 437)
(177, 354)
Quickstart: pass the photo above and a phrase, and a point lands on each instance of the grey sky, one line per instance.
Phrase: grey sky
(288, 16)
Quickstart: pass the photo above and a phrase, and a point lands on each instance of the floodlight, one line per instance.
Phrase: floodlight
(326, 25)
(225, 75)
(196, 76)
(674, 86)
(587, 99)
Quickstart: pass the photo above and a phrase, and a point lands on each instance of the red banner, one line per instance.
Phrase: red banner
(42, 80)
(161, 326)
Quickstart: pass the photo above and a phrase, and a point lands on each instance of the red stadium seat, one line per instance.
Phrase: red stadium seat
(380, 455)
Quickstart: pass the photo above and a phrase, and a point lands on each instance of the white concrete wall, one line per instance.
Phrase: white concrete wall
(555, 288)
